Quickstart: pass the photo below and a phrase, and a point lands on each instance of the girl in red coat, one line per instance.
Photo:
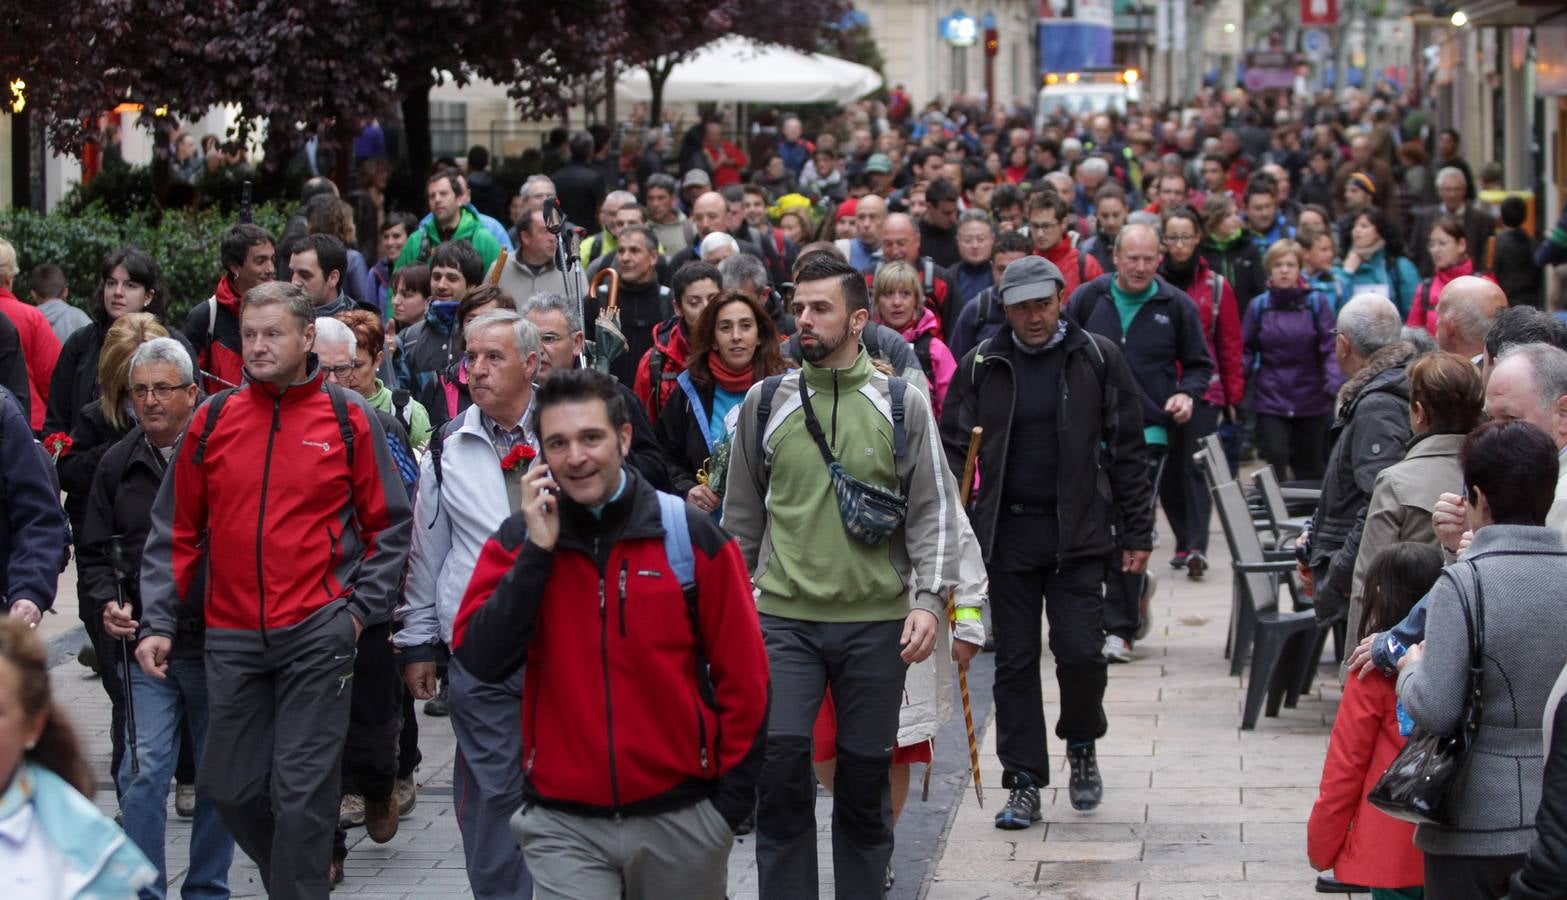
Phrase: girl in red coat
(1360, 843)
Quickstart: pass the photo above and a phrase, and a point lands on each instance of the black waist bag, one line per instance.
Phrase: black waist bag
(870, 513)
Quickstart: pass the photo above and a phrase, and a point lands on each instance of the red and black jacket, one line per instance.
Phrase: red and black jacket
(672, 346)
(614, 719)
(286, 517)
(217, 340)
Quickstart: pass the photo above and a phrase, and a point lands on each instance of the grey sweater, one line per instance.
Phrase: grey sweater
(1521, 569)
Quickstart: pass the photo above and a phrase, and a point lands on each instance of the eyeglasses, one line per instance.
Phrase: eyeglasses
(550, 338)
(339, 372)
(160, 392)
(1044, 226)
(1180, 239)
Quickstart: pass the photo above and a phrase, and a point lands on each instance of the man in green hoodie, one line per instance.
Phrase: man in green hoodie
(450, 221)
(834, 608)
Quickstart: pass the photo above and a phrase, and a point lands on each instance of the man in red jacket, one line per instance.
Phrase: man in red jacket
(213, 327)
(40, 345)
(643, 713)
(284, 492)
(1047, 215)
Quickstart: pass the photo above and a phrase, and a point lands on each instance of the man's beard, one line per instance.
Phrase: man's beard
(823, 348)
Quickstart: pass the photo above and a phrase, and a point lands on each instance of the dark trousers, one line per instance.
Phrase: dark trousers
(1123, 590)
(276, 724)
(1469, 877)
(1293, 445)
(1072, 603)
(1183, 490)
(408, 755)
(370, 752)
(862, 662)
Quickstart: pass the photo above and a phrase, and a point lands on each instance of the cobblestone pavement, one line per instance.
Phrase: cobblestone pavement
(1194, 807)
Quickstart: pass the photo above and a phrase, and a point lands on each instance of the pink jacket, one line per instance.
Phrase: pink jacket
(942, 365)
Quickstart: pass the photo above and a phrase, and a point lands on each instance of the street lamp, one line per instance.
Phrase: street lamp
(960, 31)
(1460, 19)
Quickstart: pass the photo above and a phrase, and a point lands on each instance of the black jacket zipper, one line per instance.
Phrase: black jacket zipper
(261, 518)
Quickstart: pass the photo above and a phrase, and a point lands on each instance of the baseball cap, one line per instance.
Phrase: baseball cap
(879, 163)
(696, 178)
(1030, 278)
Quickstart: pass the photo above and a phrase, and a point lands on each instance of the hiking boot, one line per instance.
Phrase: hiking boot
(381, 818)
(407, 795)
(1022, 809)
(1086, 788)
(1117, 649)
(1178, 561)
(1196, 564)
(185, 800)
(352, 813)
(436, 706)
(88, 657)
(335, 874)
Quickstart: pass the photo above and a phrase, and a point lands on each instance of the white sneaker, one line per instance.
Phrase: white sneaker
(1117, 650)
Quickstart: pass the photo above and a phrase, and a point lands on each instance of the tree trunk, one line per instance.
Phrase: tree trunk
(21, 160)
(657, 73)
(415, 88)
(609, 94)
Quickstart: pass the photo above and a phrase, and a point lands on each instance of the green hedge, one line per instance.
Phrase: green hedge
(185, 245)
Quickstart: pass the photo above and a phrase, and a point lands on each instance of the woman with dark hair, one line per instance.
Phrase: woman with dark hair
(1449, 250)
(1509, 586)
(58, 844)
(395, 229)
(128, 282)
(1360, 843)
(1446, 402)
(1183, 491)
(733, 346)
(1375, 262)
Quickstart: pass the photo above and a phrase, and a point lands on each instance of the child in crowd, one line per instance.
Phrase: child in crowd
(1361, 844)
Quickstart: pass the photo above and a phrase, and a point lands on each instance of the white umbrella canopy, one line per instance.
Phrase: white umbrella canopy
(737, 70)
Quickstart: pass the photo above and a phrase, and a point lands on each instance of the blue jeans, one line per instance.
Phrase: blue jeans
(159, 706)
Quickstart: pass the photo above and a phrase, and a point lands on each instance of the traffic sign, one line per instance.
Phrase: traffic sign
(1314, 41)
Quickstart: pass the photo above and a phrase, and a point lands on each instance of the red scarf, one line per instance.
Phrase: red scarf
(727, 378)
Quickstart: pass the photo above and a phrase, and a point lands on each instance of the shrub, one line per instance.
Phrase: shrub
(185, 245)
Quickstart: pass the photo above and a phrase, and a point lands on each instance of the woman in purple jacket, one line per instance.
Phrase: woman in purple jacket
(1288, 335)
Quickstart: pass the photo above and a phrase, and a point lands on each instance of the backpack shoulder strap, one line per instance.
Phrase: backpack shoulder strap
(1423, 295)
(212, 318)
(655, 379)
(900, 436)
(929, 269)
(214, 409)
(677, 542)
(764, 412)
(345, 427)
(400, 400)
(1082, 266)
(688, 387)
(1218, 301)
(922, 353)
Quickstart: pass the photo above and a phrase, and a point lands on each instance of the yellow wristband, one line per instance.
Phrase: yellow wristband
(966, 614)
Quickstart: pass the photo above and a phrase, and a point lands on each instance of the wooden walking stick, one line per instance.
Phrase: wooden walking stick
(966, 487)
(494, 277)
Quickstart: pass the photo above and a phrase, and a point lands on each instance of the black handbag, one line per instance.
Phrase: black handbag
(870, 513)
(1419, 785)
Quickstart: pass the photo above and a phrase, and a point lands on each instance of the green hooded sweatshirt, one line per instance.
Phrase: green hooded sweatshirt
(783, 511)
(421, 245)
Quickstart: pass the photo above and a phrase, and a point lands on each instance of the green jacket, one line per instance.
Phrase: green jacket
(424, 241)
(784, 513)
(418, 417)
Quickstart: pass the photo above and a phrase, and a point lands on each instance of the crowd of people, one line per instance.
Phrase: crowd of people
(649, 478)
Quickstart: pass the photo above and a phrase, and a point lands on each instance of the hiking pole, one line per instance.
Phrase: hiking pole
(969, 465)
(116, 551)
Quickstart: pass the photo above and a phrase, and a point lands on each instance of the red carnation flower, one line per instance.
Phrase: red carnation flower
(520, 455)
(58, 444)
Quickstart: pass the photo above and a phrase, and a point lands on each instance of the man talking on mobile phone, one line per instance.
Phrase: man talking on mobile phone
(646, 685)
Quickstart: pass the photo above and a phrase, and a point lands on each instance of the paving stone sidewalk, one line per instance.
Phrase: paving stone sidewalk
(1194, 807)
